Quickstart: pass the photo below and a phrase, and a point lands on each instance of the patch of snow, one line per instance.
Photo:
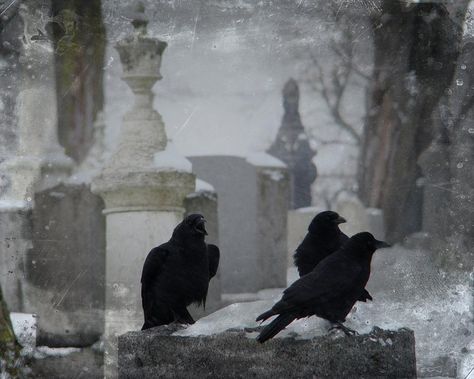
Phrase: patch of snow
(202, 186)
(170, 159)
(314, 210)
(374, 211)
(12, 204)
(25, 327)
(264, 160)
(42, 352)
(275, 175)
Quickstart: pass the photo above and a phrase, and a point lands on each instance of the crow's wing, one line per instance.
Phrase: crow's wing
(151, 268)
(214, 256)
(333, 278)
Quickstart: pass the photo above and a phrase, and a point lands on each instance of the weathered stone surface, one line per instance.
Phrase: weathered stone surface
(143, 184)
(204, 201)
(298, 222)
(15, 235)
(40, 161)
(64, 269)
(235, 354)
(84, 364)
(252, 216)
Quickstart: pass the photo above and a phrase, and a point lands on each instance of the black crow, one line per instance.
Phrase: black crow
(329, 291)
(323, 238)
(177, 273)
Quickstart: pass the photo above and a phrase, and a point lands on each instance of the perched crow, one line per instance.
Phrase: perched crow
(329, 291)
(323, 238)
(177, 273)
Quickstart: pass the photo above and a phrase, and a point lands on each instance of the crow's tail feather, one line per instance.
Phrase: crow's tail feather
(265, 315)
(272, 329)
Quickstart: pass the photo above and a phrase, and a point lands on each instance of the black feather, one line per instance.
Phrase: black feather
(330, 290)
(177, 273)
(277, 325)
(323, 239)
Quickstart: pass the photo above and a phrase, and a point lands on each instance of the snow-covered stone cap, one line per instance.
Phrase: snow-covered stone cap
(265, 160)
(171, 160)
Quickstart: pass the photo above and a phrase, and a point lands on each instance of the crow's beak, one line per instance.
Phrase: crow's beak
(201, 226)
(340, 220)
(381, 244)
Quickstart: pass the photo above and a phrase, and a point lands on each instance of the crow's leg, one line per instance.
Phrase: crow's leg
(158, 314)
(183, 316)
(338, 325)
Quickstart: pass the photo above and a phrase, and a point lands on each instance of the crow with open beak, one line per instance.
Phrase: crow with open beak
(177, 273)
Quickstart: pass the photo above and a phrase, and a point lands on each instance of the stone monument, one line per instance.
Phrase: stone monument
(292, 147)
(40, 161)
(252, 214)
(143, 184)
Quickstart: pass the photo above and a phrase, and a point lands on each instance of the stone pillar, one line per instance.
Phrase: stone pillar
(143, 184)
(40, 161)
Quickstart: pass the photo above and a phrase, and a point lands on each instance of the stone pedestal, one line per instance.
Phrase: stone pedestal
(40, 161)
(143, 184)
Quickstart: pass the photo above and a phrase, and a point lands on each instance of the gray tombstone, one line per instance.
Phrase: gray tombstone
(15, 230)
(292, 147)
(252, 213)
(204, 201)
(64, 269)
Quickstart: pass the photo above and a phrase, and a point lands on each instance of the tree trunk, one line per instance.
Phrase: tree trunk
(79, 39)
(415, 52)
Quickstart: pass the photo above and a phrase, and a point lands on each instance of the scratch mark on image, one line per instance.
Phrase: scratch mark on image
(8, 7)
(68, 289)
(185, 123)
(195, 27)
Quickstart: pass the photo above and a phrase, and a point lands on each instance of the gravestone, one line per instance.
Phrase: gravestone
(204, 201)
(252, 217)
(64, 269)
(15, 240)
(359, 218)
(291, 146)
(298, 222)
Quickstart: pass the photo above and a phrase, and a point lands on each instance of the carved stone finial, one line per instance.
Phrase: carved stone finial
(291, 96)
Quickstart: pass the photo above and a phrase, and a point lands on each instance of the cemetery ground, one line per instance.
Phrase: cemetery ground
(439, 313)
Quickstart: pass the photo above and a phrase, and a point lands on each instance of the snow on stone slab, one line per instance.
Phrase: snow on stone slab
(264, 160)
(241, 316)
(170, 159)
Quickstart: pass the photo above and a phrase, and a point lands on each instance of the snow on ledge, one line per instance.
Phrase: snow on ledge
(170, 159)
(264, 159)
(202, 186)
(12, 204)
